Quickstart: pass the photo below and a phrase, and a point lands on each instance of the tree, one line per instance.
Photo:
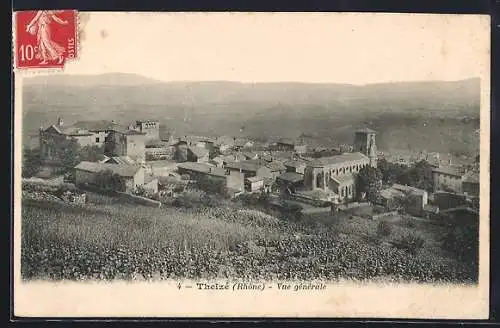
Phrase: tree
(211, 185)
(369, 181)
(404, 201)
(180, 154)
(66, 151)
(420, 176)
(32, 162)
(411, 242)
(463, 241)
(391, 172)
(92, 153)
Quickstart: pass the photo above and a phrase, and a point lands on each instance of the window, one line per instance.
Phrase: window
(97, 139)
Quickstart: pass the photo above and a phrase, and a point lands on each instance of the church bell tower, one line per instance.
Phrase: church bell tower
(364, 142)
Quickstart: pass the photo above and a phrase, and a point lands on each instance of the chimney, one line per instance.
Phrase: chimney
(60, 121)
(449, 161)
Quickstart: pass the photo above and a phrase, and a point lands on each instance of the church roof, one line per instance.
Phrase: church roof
(338, 159)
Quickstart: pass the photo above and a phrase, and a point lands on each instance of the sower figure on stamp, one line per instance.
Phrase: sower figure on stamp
(48, 49)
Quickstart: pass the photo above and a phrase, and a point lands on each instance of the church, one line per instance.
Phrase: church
(336, 174)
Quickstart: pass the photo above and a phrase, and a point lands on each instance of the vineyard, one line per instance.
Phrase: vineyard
(105, 240)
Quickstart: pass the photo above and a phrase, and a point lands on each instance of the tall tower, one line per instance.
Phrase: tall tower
(364, 142)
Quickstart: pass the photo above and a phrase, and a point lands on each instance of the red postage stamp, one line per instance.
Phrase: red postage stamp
(45, 38)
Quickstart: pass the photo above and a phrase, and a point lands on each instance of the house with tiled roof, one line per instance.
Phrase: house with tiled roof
(287, 144)
(116, 140)
(129, 177)
(296, 166)
(197, 154)
(232, 180)
(448, 178)
(249, 168)
(415, 199)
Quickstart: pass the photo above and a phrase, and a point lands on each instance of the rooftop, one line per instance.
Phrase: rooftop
(251, 166)
(123, 170)
(255, 179)
(291, 177)
(449, 170)
(123, 160)
(286, 141)
(464, 208)
(296, 163)
(99, 125)
(199, 151)
(240, 142)
(408, 189)
(390, 193)
(202, 168)
(129, 132)
(338, 159)
(72, 130)
(162, 163)
(156, 144)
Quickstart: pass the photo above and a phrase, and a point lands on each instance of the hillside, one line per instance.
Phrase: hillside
(108, 240)
(425, 114)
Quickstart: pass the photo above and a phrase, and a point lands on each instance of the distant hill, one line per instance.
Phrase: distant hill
(422, 114)
(110, 79)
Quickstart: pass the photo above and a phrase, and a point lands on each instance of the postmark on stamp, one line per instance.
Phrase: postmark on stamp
(45, 38)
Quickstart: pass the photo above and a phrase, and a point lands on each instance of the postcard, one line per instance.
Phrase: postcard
(251, 165)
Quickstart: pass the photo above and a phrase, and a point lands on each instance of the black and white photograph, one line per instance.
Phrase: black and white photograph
(260, 153)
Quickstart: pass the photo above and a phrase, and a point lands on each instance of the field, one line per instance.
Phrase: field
(105, 239)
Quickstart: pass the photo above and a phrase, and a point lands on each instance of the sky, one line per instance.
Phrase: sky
(270, 47)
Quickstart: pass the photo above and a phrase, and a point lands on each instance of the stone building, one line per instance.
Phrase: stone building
(131, 176)
(150, 128)
(364, 142)
(86, 133)
(233, 181)
(291, 145)
(337, 174)
(129, 143)
(249, 169)
(448, 178)
(116, 140)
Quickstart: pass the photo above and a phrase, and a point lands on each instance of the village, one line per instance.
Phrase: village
(284, 208)
(134, 160)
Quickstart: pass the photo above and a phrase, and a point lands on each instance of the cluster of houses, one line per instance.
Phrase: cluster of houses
(138, 155)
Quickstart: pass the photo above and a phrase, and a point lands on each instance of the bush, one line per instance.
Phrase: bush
(463, 242)
(411, 243)
(384, 229)
(408, 222)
